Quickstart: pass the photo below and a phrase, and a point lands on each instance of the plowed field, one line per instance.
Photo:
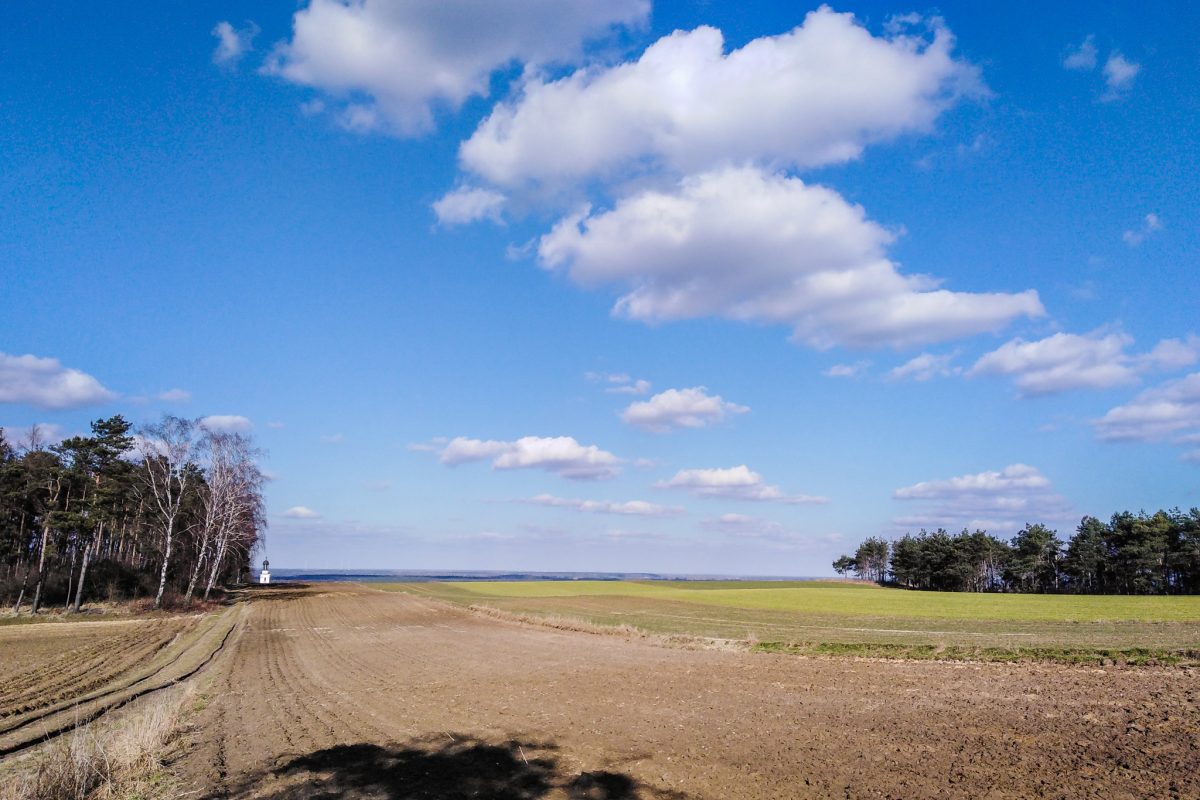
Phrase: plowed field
(344, 691)
(59, 675)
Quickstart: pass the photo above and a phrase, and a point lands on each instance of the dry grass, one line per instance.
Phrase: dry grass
(682, 640)
(561, 623)
(118, 761)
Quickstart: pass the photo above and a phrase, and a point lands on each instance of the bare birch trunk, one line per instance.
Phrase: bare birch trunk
(162, 576)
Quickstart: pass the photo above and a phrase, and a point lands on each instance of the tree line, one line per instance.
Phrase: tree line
(171, 507)
(1130, 554)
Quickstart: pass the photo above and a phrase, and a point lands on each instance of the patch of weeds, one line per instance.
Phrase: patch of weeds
(1129, 656)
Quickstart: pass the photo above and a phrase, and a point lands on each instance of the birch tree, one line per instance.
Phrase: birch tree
(230, 497)
(167, 449)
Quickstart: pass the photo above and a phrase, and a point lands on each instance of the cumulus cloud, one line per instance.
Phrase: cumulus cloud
(391, 64)
(619, 383)
(638, 508)
(923, 367)
(854, 370)
(301, 512)
(813, 96)
(1067, 361)
(469, 204)
(1016, 477)
(1135, 236)
(1172, 354)
(1082, 57)
(1000, 501)
(46, 383)
(714, 226)
(175, 396)
(561, 455)
(462, 450)
(1170, 411)
(232, 43)
(733, 483)
(226, 423)
(680, 408)
(1119, 73)
(747, 245)
(638, 387)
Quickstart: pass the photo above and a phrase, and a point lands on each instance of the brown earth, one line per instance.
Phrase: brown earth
(343, 691)
(67, 674)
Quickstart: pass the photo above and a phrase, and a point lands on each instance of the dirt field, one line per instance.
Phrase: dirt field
(346, 691)
(54, 676)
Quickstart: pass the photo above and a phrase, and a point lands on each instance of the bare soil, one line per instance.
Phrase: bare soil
(344, 691)
(56, 676)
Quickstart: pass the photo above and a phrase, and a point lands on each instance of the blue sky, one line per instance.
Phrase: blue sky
(683, 287)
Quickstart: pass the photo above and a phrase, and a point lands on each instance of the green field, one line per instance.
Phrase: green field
(833, 616)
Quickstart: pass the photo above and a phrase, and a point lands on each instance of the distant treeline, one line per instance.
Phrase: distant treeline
(174, 507)
(1130, 554)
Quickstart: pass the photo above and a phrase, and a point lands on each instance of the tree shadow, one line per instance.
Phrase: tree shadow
(439, 768)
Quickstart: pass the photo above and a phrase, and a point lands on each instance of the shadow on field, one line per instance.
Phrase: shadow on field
(437, 768)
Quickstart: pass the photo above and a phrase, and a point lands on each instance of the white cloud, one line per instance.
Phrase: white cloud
(638, 508)
(226, 423)
(333, 438)
(561, 455)
(301, 512)
(743, 525)
(394, 63)
(1016, 477)
(1172, 354)
(815, 95)
(175, 396)
(620, 382)
(46, 383)
(680, 408)
(461, 450)
(746, 245)
(733, 483)
(1168, 411)
(607, 377)
(924, 367)
(232, 43)
(855, 370)
(469, 204)
(1119, 73)
(276, 425)
(1067, 361)
(1000, 501)
(1061, 362)
(638, 387)
(1082, 57)
(1150, 224)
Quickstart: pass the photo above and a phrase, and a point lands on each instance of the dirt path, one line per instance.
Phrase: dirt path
(349, 692)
